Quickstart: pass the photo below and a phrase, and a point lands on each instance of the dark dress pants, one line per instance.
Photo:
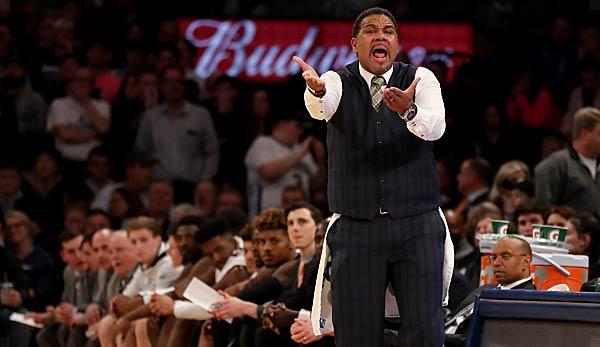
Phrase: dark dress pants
(369, 254)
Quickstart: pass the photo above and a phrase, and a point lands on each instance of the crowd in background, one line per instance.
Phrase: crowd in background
(103, 120)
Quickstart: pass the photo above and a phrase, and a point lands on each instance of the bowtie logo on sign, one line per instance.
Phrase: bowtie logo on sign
(262, 50)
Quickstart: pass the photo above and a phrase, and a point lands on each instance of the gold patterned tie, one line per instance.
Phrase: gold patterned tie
(376, 91)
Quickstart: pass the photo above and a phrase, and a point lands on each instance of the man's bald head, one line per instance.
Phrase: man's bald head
(100, 241)
(122, 253)
(511, 260)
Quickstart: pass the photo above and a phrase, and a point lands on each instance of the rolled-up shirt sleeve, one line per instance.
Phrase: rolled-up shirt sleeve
(323, 108)
(430, 122)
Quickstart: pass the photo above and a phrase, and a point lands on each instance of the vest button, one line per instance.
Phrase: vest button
(379, 142)
(378, 122)
(381, 180)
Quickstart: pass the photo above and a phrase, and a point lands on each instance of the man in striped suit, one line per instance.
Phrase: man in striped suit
(382, 117)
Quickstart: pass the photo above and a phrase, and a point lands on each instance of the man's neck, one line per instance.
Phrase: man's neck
(280, 137)
(175, 107)
(581, 149)
(24, 249)
(307, 252)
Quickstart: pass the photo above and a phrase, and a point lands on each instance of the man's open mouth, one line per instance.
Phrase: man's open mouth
(380, 53)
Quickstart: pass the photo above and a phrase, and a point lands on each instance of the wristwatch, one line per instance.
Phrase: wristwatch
(410, 113)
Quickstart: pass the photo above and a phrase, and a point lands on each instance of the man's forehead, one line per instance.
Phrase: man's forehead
(377, 19)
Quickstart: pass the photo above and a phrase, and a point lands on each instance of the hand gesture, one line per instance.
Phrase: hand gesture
(310, 76)
(93, 314)
(399, 100)
(161, 305)
(302, 332)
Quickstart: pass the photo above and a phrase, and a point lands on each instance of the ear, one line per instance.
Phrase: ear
(62, 255)
(585, 240)
(353, 43)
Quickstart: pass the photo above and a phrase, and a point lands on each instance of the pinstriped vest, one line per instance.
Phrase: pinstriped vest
(374, 160)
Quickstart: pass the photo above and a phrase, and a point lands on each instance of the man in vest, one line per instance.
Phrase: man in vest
(382, 117)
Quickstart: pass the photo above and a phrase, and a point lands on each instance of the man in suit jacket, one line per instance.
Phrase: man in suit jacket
(511, 261)
(65, 324)
(382, 118)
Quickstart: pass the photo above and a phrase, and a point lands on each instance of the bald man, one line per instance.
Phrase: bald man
(511, 261)
(123, 264)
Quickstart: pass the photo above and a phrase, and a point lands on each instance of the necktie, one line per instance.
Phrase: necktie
(81, 299)
(300, 273)
(376, 91)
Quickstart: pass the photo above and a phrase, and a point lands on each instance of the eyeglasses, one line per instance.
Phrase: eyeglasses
(504, 256)
(13, 226)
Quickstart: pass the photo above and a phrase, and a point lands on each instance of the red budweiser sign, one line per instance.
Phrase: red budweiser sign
(262, 50)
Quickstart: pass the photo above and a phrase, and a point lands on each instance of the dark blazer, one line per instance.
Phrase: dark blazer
(465, 309)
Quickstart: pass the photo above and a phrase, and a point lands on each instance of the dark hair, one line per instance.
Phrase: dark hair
(271, 219)
(97, 211)
(481, 168)
(369, 12)
(588, 224)
(567, 212)
(314, 212)
(247, 232)
(136, 207)
(172, 67)
(68, 235)
(191, 220)
(87, 239)
(212, 227)
(234, 218)
(522, 184)
(144, 222)
(99, 151)
(533, 206)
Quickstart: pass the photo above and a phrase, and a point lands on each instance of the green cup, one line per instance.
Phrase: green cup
(549, 232)
(500, 227)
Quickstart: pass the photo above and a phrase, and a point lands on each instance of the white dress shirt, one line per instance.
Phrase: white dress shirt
(429, 123)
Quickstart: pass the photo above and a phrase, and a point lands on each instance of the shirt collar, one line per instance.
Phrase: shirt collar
(515, 283)
(474, 195)
(367, 76)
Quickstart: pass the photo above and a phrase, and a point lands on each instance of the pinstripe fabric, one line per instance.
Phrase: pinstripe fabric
(367, 255)
(374, 160)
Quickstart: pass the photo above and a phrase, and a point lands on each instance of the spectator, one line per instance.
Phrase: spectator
(234, 140)
(511, 171)
(99, 57)
(478, 223)
(78, 120)
(292, 194)
(44, 198)
(582, 235)
(98, 170)
(229, 198)
(473, 184)
(75, 218)
(586, 94)
(138, 176)
(205, 197)
(10, 187)
(276, 161)
(123, 206)
(35, 263)
(30, 106)
(96, 220)
(195, 156)
(569, 177)
(160, 202)
(261, 113)
(527, 214)
(531, 105)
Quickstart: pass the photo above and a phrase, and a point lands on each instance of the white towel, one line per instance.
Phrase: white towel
(323, 323)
